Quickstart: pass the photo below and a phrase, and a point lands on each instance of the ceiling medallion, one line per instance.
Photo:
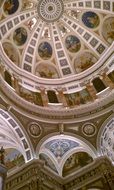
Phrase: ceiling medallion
(34, 129)
(89, 129)
(50, 10)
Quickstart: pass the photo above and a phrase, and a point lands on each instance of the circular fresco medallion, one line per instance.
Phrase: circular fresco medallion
(20, 36)
(72, 43)
(89, 129)
(9, 49)
(10, 6)
(50, 10)
(91, 19)
(34, 129)
(108, 29)
(48, 71)
(45, 50)
(84, 61)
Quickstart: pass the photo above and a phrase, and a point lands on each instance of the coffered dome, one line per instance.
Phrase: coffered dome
(55, 39)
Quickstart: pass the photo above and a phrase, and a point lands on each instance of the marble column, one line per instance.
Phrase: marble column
(91, 90)
(107, 80)
(61, 98)
(44, 97)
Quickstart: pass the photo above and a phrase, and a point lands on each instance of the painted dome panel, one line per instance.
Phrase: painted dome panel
(72, 43)
(60, 146)
(84, 61)
(75, 162)
(45, 50)
(13, 159)
(48, 162)
(9, 49)
(90, 19)
(108, 29)
(54, 30)
(46, 71)
(10, 6)
(20, 36)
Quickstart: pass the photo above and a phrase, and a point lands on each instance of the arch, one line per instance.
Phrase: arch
(60, 147)
(7, 76)
(12, 135)
(46, 70)
(72, 136)
(51, 165)
(111, 76)
(105, 138)
(76, 161)
(80, 149)
(52, 97)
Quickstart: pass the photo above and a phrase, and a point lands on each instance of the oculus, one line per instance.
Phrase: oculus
(50, 10)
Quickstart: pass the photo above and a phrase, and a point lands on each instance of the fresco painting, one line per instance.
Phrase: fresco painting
(10, 6)
(84, 61)
(48, 162)
(46, 71)
(108, 29)
(73, 99)
(75, 162)
(33, 97)
(72, 43)
(91, 19)
(45, 50)
(85, 96)
(9, 50)
(13, 158)
(20, 36)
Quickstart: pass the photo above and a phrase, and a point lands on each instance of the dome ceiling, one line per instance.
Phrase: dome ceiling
(58, 56)
(56, 38)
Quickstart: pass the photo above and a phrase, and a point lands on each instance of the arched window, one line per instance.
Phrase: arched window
(8, 78)
(52, 97)
(111, 76)
(98, 84)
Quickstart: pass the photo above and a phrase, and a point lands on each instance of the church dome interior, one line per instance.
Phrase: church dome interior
(56, 83)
